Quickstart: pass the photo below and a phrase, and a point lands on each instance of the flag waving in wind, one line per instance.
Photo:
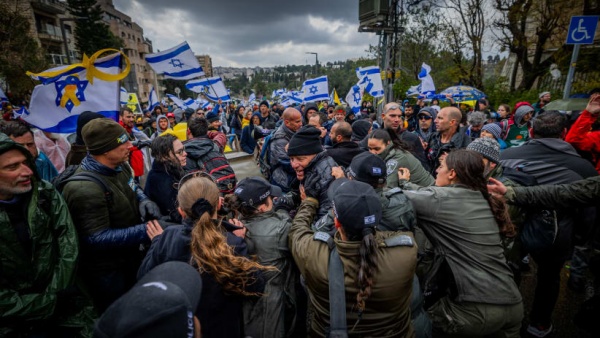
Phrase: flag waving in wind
(316, 89)
(354, 97)
(371, 80)
(152, 100)
(427, 86)
(178, 63)
(66, 92)
(212, 87)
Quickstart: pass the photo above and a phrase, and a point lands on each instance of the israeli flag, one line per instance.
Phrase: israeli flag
(316, 89)
(354, 97)
(178, 63)
(152, 99)
(294, 96)
(176, 101)
(213, 88)
(427, 86)
(413, 90)
(56, 104)
(17, 113)
(3, 97)
(252, 97)
(124, 96)
(371, 77)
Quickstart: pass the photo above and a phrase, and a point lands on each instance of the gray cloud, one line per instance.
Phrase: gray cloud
(251, 33)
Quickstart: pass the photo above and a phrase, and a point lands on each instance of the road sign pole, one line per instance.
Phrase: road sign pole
(569, 81)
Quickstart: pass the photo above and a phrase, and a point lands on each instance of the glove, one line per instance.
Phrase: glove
(149, 210)
(284, 203)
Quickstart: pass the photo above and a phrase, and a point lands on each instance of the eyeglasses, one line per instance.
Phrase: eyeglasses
(191, 175)
(392, 107)
(180, 151)
(425, 117)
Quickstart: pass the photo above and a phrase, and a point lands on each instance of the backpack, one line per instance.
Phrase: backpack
(69, 175)
(216, 165)
(540, 225)
(264, 157)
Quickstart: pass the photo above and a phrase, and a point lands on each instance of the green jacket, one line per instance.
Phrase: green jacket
(573, 195)
(395, 158)
(273, 314)
(387, 311)
(32, 278)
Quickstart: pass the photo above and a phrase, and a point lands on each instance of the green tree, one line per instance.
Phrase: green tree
(91, 33)
(19, 52)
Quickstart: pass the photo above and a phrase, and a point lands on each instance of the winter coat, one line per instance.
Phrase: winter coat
(573, 195)
(397, 158)
(282, 173)
(110, 231)
(247, 142)
(161, 189)
(387, 311)
(204, 154)
(343, 153)
(236, 123)
(435, 147)
(317, 177)
(220, 314)
(273, 314)
(583, 138)
(461, 226)
(553, 161)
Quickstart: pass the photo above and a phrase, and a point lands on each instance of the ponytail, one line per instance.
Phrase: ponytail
(367, 268)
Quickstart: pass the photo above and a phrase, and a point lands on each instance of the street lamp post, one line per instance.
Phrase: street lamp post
(316, 61)
(64, 34)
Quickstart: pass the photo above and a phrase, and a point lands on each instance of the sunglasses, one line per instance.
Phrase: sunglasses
(425, 117)
(191, 175)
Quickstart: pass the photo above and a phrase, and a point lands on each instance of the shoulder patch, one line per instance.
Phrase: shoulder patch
(402, 240)
(391, 166)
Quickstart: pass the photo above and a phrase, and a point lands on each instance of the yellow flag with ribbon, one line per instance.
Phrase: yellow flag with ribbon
(67, 91)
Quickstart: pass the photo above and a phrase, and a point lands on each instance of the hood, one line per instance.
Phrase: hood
(433, 114)
(310, 105)
(160, 131)
(555, 144)
(521, 109)
(7, 144)
(198, 147)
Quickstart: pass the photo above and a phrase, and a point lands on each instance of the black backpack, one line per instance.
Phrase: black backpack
(70, 175)
(216, 165)
(540, 225)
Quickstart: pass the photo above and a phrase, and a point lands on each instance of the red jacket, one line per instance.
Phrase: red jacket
(136, 157)
(583, 138)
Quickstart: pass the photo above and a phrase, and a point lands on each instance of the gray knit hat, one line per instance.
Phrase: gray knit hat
(487, 147)
(493, 129)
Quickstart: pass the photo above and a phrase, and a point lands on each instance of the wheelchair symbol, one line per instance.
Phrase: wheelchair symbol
(580, 34)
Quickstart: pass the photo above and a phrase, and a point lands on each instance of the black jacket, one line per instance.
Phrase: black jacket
(343, 153)
(435, 147)
(414, 146)
(220, 314)
(161, 189)
(317, 177)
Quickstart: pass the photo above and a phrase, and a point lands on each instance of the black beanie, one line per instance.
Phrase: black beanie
(82, 120)
(103, 135)
(306, 141)
(265, 102)
(360, 130)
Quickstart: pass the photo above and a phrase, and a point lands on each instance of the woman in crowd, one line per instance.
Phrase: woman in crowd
(515, 130)
(228, 278)
(386, 144)
(167, 169)
(470, 287)
(247, 142)
(246, 119)
(236, 121)
(274, 314)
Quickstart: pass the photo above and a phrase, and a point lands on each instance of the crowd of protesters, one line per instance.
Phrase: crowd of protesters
(417, 222)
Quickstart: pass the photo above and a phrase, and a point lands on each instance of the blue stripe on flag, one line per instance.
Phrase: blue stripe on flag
(168, 56)
(69, 125)
(317, 80)
(186, 72)
(317, 97)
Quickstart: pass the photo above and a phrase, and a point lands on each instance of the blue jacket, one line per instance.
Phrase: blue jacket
(247, 142)
(45, 168)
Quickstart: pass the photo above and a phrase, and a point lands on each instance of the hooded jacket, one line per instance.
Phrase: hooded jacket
(204, 154)
(282, 173)
(39, 249)
(317, 176)
(424, 135)
(158, 129)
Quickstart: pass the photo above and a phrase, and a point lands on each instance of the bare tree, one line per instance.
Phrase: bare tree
(526, 29)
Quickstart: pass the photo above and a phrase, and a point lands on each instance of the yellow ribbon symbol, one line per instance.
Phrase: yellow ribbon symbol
(92, 71)
(70, 94)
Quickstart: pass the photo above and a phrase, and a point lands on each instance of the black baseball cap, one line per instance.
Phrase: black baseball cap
(253, 191)
(356, 206)
(368, 168)
(161, 304)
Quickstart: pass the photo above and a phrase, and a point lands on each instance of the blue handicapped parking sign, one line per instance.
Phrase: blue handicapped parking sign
(582, 30)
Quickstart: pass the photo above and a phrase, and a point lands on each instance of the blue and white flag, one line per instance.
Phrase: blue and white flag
(212, 87)
(124, 96)
(252, 98)
(371, 80)
(178, 63)
(152, 100)
(427, 86)
(66, 92)
(413, 90)
(3, 97)
(176, 101)
(17, 113)
(278, 92)
(316, 89)
(354, 97)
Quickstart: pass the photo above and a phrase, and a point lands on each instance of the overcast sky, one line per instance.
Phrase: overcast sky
(247, 33)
